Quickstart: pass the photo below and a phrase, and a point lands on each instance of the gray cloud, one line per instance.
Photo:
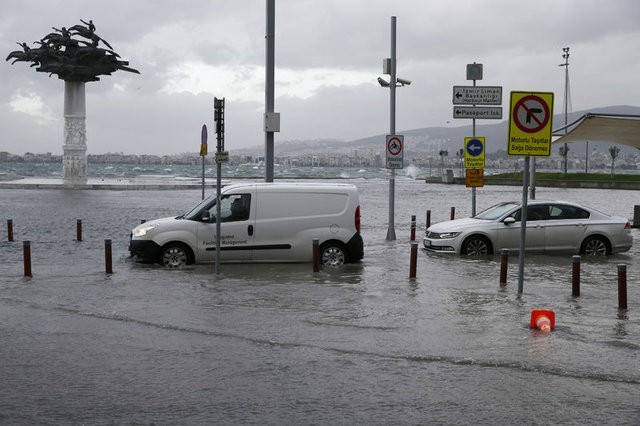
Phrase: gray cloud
(518, 42)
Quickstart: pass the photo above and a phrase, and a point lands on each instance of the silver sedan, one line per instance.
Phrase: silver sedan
(551, 226)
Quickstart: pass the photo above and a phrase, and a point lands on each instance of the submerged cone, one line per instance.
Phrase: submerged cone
(543, 319)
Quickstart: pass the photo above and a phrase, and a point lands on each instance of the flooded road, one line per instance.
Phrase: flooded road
(278, 344)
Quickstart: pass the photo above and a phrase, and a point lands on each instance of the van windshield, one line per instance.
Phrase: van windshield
(233, 207)
(205, 204)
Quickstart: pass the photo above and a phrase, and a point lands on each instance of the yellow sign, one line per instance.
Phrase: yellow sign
(474, 152)
(474, 178)
(530, 124)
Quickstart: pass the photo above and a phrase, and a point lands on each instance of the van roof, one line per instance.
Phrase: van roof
(292, 185)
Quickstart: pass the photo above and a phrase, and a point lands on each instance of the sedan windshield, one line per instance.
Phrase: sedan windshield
(497, 211)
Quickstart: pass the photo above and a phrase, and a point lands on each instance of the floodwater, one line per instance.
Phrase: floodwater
(278, 344)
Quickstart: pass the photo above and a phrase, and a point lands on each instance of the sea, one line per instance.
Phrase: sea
(279, 344)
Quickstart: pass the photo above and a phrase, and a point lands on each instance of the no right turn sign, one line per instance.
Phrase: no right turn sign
(530, 124)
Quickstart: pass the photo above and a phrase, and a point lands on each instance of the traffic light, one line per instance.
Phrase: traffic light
(218, 117)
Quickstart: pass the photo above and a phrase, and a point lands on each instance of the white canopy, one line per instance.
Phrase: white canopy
(609, 128)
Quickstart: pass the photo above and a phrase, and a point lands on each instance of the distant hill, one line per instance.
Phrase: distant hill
(428, 140)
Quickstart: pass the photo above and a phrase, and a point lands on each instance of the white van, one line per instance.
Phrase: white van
(260, 222)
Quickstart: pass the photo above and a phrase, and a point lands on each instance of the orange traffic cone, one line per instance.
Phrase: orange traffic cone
(543, 319)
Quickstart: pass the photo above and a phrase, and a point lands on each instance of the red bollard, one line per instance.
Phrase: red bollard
(575, 277)
(107, 257)
(413, 227)
(26, 254)
(414, 260)
(428, 221)
(453, 213)
(79, 230)
(9, 230)
(622, 286)
(504, 264)
(316, 255)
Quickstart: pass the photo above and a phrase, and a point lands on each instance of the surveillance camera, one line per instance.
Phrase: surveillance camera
(383, 82)
(403, 81)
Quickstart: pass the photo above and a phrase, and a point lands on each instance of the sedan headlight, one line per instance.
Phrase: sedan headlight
(447, 235)
(141, 231)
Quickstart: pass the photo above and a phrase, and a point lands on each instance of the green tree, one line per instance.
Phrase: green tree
(613, 152)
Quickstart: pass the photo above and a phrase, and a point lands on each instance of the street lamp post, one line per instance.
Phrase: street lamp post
(565, 56)
(389, 67)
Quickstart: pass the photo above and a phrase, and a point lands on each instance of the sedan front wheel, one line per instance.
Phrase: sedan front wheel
(476, 245)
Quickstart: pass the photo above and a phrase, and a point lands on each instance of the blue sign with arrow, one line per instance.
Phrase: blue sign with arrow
(474, 152)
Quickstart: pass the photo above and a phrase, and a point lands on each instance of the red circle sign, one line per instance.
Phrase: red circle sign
(531, 114)
(394, 146)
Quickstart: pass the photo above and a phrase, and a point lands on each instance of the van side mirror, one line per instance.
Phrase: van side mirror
(509, 220)
(206, 216)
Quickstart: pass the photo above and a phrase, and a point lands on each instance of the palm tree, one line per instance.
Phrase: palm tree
(563, 151)
(443, 153)
(613, 152)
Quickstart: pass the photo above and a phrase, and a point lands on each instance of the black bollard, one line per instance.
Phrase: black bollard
(26, 255)
(428, 221)
(9, 230)
(622, 286)
(575, 276)
(107, 257)
(316, 255)
(504, 265)
(413, 227)
(453, 213)
(79, 230)
(414, 260)
(636, 216)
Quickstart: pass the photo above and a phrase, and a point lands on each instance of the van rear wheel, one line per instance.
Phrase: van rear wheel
(174, 255)
(333, 254)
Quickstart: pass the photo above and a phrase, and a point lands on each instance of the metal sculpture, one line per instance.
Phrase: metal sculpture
(74, 55)
(72, 59)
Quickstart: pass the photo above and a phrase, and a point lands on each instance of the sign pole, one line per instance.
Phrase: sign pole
(203, 152)
(530, 128)
(473, 189)
(219, 118)
(523, 224)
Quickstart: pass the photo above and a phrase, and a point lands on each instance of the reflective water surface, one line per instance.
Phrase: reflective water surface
(278, 344)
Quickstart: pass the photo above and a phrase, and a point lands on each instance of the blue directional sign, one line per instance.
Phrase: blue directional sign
(474, 152)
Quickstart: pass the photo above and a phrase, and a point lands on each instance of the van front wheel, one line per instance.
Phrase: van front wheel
(333, 254)
(174, 255)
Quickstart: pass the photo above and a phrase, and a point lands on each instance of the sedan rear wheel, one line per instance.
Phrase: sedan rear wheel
(476, 245)
(595, 246)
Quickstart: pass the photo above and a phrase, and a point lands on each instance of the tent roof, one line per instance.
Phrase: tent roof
(611, 128)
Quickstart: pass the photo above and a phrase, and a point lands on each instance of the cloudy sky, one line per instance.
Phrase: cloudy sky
(328, 56)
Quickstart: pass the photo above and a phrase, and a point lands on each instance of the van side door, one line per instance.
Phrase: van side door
(237, 222)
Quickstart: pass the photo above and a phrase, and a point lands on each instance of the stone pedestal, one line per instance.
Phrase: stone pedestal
(74, 161)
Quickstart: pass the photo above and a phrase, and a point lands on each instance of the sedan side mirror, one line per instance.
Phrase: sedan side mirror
(509, 220)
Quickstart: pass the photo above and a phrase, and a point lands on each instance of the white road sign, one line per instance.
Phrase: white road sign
(494, 113)
(477, 95)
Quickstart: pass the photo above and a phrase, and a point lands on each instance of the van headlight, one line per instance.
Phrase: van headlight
(141, 231)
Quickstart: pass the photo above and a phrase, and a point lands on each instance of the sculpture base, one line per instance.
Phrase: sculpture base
(74, 161)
